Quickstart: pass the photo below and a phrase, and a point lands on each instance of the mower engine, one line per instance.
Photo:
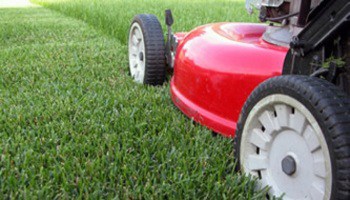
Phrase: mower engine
(290, 14)
(316, 31)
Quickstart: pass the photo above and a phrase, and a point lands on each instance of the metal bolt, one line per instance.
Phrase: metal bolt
(289, 165)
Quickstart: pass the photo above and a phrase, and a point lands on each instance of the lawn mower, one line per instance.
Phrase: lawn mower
(280, 88)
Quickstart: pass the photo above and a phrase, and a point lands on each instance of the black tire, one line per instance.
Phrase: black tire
(154, 49)
(328, 105)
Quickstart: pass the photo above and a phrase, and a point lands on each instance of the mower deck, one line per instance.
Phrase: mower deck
(217, 66)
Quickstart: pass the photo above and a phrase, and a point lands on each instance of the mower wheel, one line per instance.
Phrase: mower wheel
(293, 134)
(147, 50)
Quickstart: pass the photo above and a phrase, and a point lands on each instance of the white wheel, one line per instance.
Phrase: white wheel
(147, 50)
(293, 136)
(283, 145)
(137, 53)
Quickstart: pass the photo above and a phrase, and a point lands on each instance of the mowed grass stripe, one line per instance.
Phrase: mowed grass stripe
(19, 32)
(113, 17)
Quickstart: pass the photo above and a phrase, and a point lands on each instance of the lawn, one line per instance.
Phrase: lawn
(73, 124)
(114, 16)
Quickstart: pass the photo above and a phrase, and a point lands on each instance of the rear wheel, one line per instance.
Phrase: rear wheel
(293, 135)
(147, 50)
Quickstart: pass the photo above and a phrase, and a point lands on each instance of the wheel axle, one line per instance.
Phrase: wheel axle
(289, 165)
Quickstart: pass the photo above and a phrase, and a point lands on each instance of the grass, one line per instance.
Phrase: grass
(114, 16)
(74, 125)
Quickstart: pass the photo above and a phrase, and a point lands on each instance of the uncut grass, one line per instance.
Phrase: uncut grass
(74, 125)
(114, 16)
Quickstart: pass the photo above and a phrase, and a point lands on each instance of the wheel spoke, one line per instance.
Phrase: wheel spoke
(135, 41)
(138, 35)
(267, 120)
(135, 64)
(137, 74)
(133, 59)
(282, 112)
(320, 168)
(316, 192)
(256, 162)
(132, 62)
(140, 62)
(311, 138)
(259, 139)
(142, 47)
(297, 121)
(134, 50)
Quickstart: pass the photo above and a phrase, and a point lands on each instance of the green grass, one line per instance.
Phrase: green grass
(114, 16)
(73, 124)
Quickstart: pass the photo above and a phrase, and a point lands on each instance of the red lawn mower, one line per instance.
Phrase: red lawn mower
(282, 90)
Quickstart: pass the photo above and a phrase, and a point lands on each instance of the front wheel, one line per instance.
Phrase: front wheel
(147, 50)
(293, 134)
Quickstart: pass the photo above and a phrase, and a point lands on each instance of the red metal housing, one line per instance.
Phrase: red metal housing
(217, 66)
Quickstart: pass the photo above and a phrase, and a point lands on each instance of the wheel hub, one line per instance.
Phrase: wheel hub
(289, 165)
